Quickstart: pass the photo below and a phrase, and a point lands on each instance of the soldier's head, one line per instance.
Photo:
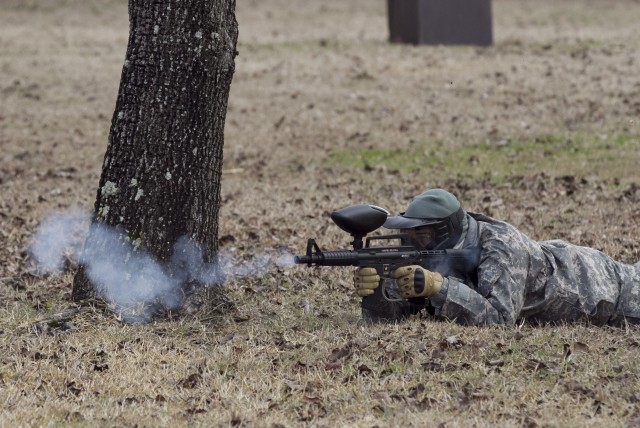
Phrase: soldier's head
(433, 220)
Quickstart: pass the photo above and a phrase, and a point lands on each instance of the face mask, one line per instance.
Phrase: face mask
(420, 236)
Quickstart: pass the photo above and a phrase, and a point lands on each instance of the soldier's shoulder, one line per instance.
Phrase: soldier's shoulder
(484, 221)
(491, 229)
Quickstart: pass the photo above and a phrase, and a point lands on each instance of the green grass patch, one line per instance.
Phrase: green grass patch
(615, 156)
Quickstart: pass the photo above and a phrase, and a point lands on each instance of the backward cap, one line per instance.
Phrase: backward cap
(432, 204)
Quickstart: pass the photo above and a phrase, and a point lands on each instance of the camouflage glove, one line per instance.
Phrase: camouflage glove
(366, 280)
(416, 281)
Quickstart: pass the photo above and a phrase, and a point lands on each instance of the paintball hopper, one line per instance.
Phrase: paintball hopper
(358, 220)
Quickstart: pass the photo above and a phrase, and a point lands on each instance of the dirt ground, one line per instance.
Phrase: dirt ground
(541, 129)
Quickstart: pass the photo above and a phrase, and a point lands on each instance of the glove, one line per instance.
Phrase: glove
(366, 280)
(416, 281)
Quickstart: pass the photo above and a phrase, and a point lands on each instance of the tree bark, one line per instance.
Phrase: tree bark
(162, 168)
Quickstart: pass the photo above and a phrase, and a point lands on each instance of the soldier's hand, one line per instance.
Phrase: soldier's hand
(416, 281)
(366, 280)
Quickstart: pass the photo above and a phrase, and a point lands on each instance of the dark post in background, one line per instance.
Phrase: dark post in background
(435, 22)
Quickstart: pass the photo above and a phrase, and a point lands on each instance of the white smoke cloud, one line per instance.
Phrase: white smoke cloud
(127, 278)
(59, 238)
(133, 279)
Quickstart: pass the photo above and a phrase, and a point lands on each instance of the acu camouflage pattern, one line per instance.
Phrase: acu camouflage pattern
(548, 281)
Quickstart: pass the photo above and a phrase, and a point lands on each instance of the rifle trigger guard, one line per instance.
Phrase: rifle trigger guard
(385, 294)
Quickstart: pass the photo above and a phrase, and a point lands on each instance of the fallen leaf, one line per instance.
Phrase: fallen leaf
(73, 388)
(236, 420)
(333, 366)
(535, 365)
(451, 341)
(341, 353)
(433, 366)
(574, 387)
(279, 122)
(580, 347)
(311, 399)
(75, 417)
(364, 370)
(100, 367)
(226, 339)
(311, 411)
(190, 381)
(382, 396)
(566, 353)
(128, 400)
(299, 366)
(282, 343)
(416, 390)
(634, 422)
(438, 354)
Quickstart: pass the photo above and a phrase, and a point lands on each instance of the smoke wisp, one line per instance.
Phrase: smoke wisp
(58, 240)
(130, 278)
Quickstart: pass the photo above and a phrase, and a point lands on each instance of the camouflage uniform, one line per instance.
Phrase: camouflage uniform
(519, 278)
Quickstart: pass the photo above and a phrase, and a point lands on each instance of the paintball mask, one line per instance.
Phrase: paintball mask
(433, 220)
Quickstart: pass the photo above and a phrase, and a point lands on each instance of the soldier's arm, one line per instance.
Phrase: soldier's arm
(502, 281)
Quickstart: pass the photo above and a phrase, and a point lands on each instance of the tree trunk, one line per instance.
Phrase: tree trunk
(161, 173)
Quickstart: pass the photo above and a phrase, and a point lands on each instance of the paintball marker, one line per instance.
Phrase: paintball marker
(359, 220)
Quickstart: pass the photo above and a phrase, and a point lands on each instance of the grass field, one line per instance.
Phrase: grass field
(541, 129)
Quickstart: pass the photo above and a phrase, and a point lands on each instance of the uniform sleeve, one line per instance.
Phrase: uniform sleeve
(503, 272)
(519, 278)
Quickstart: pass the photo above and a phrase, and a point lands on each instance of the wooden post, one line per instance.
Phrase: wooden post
(435, 22)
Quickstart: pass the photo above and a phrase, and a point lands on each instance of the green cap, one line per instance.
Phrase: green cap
(432, 204)
(424, 209)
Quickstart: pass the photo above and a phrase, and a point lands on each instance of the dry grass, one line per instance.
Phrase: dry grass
(540, 129)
